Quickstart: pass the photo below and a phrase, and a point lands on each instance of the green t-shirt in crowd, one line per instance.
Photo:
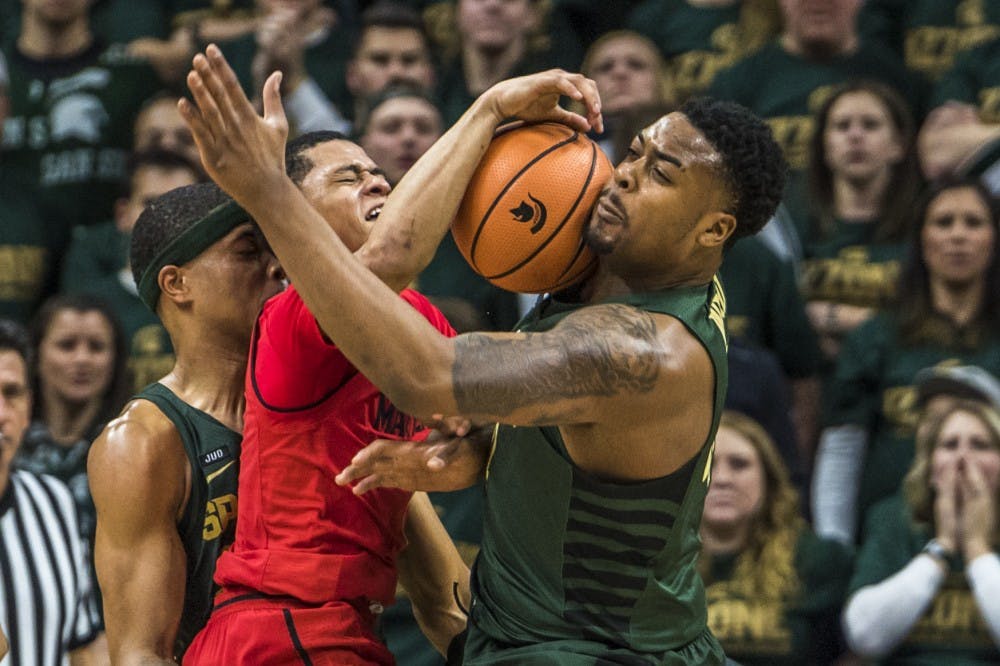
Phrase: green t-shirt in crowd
(95, 264)
(975, 79)
(951, 632)
(696, 42)
(763, 306)
(873, 387)
(796, 630)
(929, 33)
(787, 90)
(848, 266)
(69, 129)
(31, 244)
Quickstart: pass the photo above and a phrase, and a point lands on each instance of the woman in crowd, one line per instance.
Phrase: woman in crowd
(631, 78)
(864, 179)
(946, 309)
(927, 584)
(774, 589)
(79, 384)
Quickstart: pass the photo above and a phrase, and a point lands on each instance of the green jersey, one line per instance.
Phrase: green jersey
(69, 129)
(578, 570)
(975, 79)
(873, 387)
(849, 266)
(209, 521)
(790, 630)
(696, 42)
(764, 307)
(30, 244)
(928, 34)
(951, 631)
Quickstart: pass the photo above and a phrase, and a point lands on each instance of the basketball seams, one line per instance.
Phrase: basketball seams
(569, 214)
(510, 183)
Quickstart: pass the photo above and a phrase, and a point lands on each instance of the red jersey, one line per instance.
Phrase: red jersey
(308, 412)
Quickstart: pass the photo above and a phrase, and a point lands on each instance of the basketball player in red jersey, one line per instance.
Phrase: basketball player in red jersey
(312, 565)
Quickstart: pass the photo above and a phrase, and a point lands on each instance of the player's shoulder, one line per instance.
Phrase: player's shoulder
(140, 438)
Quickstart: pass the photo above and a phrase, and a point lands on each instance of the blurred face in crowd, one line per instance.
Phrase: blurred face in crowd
(493, 26)
(160, 126)
(966, 441)
(736, 492)
(300, 7)
(15, 408)
(625, 71)
(76, 356)
(386, 56)
(958, 237)
(820, 27)
(860, 140)
(398, 132)
(149, 182)
(56, 13)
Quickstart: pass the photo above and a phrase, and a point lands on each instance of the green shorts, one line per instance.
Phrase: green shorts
(481, 650)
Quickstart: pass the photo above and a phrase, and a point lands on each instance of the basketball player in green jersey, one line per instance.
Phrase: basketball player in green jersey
(593, 501)
(164, 473)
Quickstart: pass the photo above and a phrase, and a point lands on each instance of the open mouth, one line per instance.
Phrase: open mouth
(373, 213)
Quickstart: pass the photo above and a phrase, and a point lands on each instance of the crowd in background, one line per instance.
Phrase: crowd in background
(853, 509)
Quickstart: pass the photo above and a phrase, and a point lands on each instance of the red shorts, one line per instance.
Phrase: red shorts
(254, 630)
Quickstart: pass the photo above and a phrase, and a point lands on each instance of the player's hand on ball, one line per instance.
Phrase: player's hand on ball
(242, 151)
(535, 98)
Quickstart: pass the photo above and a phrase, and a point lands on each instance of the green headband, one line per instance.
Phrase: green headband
(189, 244)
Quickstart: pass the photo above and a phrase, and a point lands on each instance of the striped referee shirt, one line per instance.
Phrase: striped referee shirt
(47, 606)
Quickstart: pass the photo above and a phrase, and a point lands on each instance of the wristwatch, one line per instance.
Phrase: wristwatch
(936, 549)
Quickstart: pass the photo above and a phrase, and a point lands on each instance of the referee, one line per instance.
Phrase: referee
(47, 609)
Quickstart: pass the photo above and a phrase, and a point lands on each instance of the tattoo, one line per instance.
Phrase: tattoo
(602, 352)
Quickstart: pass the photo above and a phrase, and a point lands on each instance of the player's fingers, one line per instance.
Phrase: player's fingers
(274, 111)
(209, 110)
(574, 120)
(213, 84)
(199, 130)
(230, 85)
(366, 484)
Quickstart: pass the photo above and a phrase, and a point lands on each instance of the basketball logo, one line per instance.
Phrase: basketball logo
(531, 212)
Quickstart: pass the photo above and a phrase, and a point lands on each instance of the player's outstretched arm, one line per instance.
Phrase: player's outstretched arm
(434, 575)
(138, 478)
(243, 153)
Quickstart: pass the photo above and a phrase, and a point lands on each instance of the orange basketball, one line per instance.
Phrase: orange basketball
(521, 221)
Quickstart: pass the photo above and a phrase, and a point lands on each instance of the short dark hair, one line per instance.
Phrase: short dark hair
(166, 217)
(115, 395)
(393, 16)
(297, 165)
(399, 90)
(753, 165)
(167, 160)
(14, 337)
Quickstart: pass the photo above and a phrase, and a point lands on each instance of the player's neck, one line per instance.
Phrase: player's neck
(609, 283)
(40, 41)
(210, 378)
